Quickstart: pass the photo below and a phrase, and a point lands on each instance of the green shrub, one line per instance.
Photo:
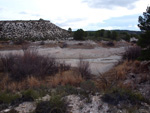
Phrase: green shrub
(66, 90)
(30, 95)
(55, 105)
(7, 98)
(117, 95)
(88, 86)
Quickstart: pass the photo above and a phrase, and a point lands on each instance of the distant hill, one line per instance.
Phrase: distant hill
(128, 31)
(32, 29)
(121, 31)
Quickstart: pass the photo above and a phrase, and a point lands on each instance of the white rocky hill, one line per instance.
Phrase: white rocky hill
(32, 29)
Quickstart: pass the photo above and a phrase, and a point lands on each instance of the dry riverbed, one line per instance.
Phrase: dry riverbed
(101, 59)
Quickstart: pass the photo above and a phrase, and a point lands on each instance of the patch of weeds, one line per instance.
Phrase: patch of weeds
(117, 96)
(27, 95)
(30, 95)
(56, 105)
(89, 86)
(83, 92)
(7, 98)
(66, 90)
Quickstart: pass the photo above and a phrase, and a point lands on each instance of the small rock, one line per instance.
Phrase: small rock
(26, 107)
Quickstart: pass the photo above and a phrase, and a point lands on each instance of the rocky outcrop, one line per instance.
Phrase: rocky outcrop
(32, 29)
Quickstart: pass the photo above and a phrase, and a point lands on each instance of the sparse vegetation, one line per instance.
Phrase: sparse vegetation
(83, 69)
(56, 105)
(7, 97)
(29, 64)
(132, 53)
(122, 96)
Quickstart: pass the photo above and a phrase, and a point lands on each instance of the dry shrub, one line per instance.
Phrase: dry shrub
(132, 53)
(83, 68)
(64, 67)
(30, 63)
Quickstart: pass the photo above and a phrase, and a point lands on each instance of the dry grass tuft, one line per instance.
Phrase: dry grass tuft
(67, 77)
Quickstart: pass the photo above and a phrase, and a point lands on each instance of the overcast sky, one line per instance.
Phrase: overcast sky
(85, 14)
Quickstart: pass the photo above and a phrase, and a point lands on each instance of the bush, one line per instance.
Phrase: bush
(30, 94)
(89, 86)
(84, 69)
(29, 64)
(7, 98)
(55, 105)
(132, 53)
(64, 67)
(66, 90)
(117, 96)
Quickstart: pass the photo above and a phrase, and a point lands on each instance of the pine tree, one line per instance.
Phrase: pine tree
(144, 41)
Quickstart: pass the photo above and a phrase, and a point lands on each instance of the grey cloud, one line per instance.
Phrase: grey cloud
(110, 4)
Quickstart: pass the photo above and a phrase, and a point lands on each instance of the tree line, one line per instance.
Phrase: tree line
(103, 34)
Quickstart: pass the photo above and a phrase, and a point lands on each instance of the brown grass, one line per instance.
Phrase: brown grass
(117, 75)
(65, 78)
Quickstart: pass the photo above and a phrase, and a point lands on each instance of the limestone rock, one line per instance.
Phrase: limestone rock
(32, 29)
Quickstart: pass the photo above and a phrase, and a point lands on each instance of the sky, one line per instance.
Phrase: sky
(76, 14)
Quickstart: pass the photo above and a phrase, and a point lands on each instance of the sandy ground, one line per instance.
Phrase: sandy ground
(101, 59)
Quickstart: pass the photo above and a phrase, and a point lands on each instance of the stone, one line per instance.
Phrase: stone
(26, 107)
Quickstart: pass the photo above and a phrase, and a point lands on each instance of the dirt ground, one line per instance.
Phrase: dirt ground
(101, 58)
